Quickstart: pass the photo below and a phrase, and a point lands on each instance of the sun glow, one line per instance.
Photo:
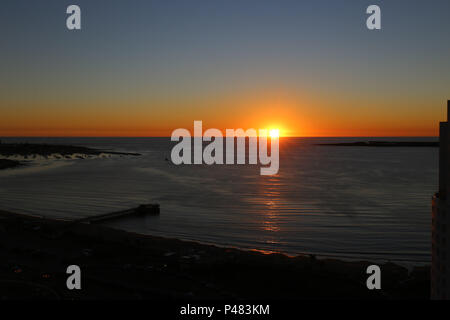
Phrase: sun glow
(274, 133)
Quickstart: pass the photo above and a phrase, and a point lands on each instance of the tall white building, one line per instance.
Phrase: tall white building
(440, 260)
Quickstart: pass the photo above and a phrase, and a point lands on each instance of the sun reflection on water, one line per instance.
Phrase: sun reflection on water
(270, 189)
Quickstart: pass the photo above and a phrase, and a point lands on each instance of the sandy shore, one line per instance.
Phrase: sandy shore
(35, 252)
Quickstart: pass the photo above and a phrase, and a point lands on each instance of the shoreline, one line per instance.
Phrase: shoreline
(47, 150)
(406, 262)
(13, 155)
(125, 265)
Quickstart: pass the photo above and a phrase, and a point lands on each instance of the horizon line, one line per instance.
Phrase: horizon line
(3, 137)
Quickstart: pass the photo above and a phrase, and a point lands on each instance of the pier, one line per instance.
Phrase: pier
(143, 209)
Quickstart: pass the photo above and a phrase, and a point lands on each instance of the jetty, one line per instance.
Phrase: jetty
(383, 144)
(143, 209)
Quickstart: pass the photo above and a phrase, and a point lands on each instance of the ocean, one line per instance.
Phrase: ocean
(346, 202)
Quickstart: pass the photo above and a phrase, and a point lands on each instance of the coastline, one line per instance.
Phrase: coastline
(47, 150)
(36, 251)
(384, 144)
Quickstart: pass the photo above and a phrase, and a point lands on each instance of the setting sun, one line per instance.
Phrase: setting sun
(274, 133)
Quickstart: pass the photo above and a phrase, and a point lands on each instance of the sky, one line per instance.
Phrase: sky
(145, 68)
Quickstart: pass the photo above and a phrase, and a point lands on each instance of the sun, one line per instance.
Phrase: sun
(274, 133)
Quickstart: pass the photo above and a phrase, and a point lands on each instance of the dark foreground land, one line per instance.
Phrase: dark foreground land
(383, 144)
(6, 164)
(35, 252)
(28, 149)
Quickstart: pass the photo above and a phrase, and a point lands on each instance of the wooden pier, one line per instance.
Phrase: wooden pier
(143, 209)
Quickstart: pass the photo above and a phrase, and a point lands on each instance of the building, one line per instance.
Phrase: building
(440, 256)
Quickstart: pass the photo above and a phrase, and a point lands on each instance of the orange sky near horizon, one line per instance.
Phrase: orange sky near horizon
(293, 116)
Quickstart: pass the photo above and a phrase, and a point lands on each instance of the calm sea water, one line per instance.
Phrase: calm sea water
(355, 202)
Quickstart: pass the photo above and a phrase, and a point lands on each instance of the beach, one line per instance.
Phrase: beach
(35, 253)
